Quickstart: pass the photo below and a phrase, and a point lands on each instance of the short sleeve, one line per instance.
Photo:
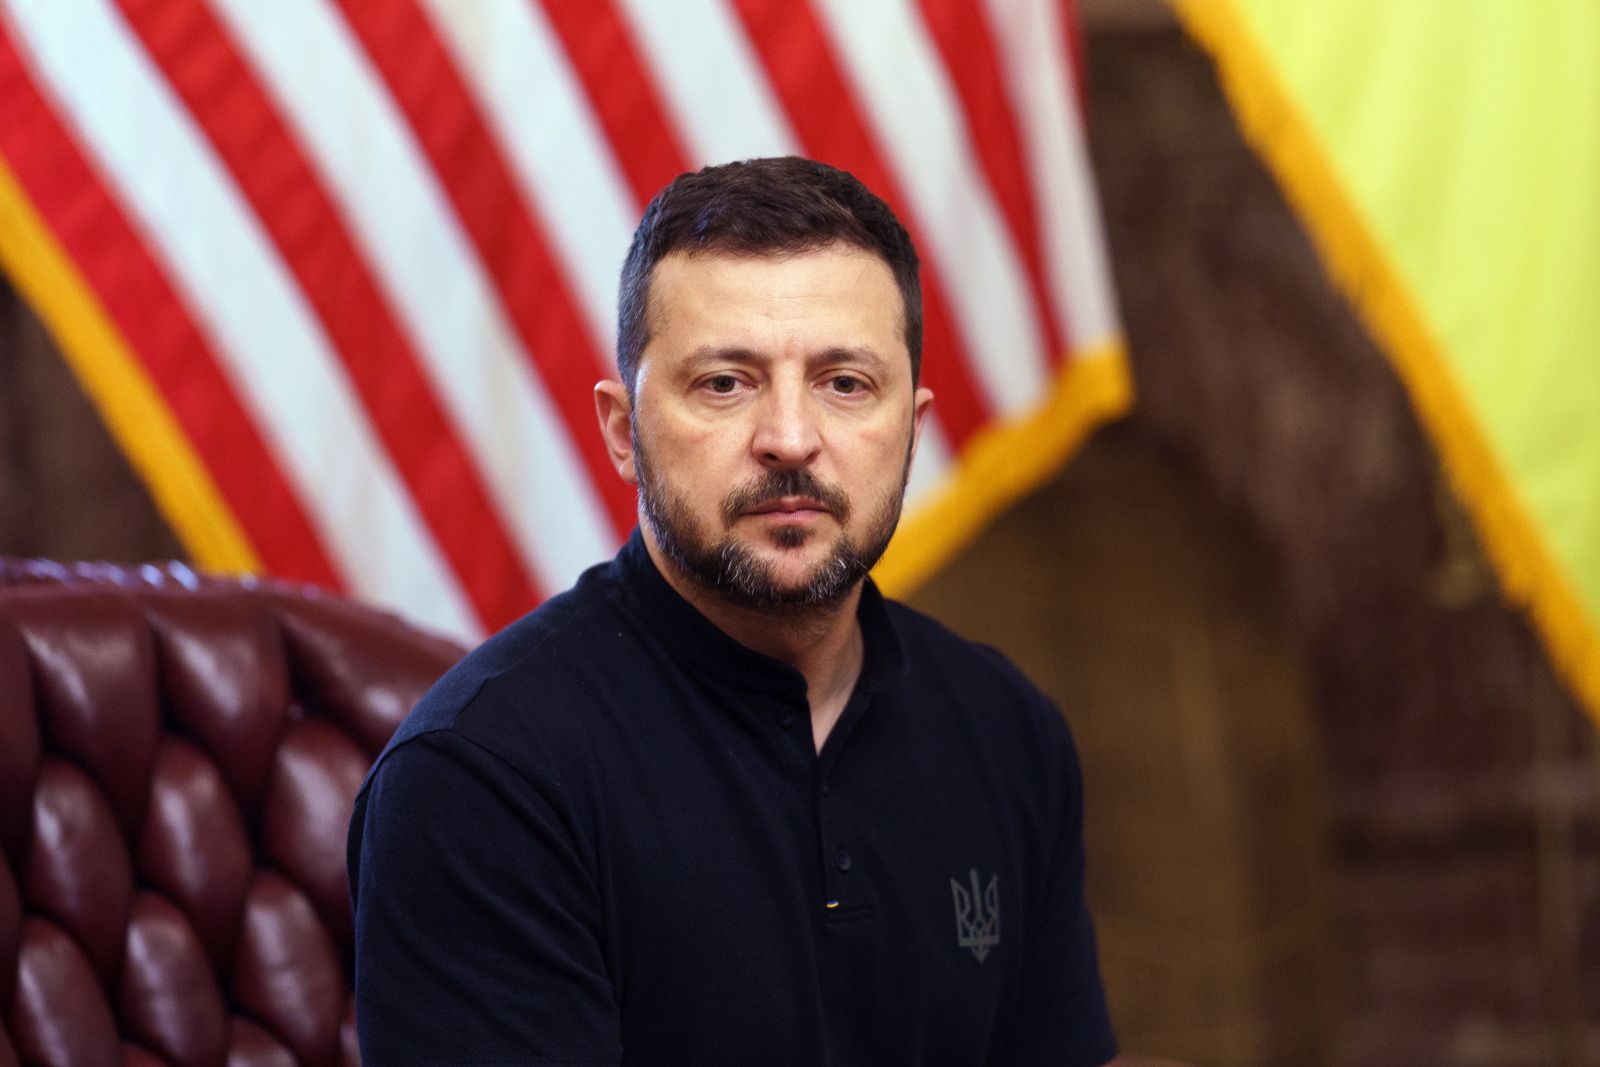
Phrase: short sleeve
(1062, 1018)
(476, 921)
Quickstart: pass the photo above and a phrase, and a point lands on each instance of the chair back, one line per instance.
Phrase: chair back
(178, 760)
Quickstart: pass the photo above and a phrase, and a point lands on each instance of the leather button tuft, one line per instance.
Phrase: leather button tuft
(841, 860)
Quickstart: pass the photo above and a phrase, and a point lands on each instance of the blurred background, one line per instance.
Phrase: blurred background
(1342, 804)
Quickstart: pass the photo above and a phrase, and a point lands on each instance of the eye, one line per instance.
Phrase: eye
(846, 384)
(722, 384)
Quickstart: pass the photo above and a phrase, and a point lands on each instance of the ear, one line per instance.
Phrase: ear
(919, 412)
(615, 412)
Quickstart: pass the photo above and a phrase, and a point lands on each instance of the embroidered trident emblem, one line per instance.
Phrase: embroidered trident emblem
(977, 914)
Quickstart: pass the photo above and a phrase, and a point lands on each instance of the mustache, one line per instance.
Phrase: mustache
(776, 484)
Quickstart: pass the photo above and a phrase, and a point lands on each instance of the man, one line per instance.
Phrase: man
(721, 803)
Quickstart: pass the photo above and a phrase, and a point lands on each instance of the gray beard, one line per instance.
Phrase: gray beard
(732, 571)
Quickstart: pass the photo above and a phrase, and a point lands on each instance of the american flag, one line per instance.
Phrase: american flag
(341, 276)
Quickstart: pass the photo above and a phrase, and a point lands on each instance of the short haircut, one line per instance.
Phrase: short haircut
(778, 206)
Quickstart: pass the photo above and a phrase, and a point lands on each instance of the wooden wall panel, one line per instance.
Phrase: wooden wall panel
(65, 490)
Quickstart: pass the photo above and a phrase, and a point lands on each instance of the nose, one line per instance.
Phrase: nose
(788, 433)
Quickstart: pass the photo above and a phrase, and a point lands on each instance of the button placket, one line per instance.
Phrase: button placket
(842, 895)
(845, 887)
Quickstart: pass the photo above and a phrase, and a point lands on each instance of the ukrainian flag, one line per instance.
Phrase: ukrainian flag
(1445, 157)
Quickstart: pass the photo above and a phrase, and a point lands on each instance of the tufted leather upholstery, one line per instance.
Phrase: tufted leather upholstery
(178, 760)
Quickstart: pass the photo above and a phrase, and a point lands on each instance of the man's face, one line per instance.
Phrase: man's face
(773, 422)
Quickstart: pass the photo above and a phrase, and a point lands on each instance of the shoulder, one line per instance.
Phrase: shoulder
(527, 679)
(937, 655)
(981, 687)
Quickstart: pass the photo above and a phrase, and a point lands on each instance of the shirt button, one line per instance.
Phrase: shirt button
(841, 860)
(826, 788)
(787, 719)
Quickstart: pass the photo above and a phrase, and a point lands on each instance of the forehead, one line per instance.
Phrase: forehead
(835, 296)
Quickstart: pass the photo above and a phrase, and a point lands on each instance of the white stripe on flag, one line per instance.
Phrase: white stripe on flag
(245, 300)
(916, 117)
(1030, 36)
(712, 80)
(521, 78)
(402, 219)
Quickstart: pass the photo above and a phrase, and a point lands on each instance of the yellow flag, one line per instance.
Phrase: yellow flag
(1446, 159)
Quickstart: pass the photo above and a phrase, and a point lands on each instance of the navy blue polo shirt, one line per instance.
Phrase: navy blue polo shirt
(606, 837)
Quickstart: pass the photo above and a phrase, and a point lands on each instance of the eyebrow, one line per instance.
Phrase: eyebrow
(851, 354)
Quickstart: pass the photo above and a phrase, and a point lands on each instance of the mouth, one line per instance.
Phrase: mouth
(790, 508)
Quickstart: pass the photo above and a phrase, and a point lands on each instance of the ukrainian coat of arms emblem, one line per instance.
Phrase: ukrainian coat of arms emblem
(977, 914)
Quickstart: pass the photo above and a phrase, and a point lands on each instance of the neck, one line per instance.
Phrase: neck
(824, 643)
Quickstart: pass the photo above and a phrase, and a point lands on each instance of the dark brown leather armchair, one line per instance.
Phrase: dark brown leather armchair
(178, 760)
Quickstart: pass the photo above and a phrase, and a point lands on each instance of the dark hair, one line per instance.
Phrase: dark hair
(777, 206)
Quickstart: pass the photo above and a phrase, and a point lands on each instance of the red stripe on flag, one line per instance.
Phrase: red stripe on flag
(223, 94)
(424, 81)
(961, 33)
(806, 76)
(621, 92)
(136, 293)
